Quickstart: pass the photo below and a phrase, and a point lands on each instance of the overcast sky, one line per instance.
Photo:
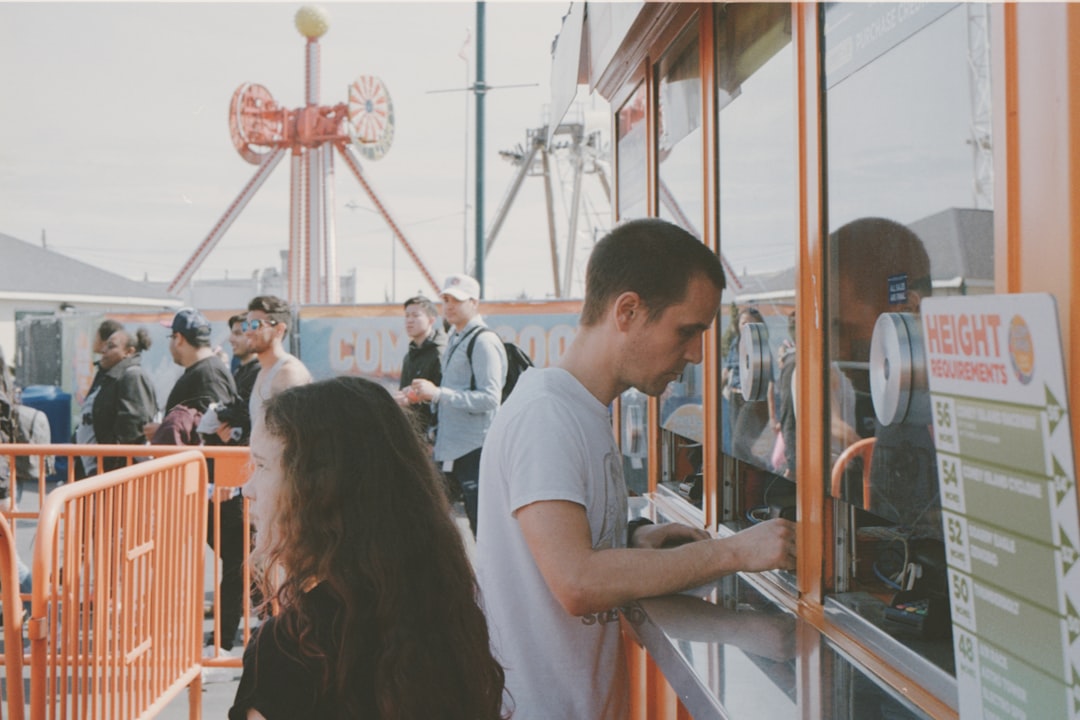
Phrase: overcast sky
(114, 118)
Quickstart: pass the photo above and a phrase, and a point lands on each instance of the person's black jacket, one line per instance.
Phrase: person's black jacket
(204, 382)
(236, 414)
(245, 379)
(124, 404)
(424, 362)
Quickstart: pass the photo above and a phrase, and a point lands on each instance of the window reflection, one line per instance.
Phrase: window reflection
(632, 167)
(681, 201)
(632, 156)
(634, 406)
(758, 244)
(908, 217)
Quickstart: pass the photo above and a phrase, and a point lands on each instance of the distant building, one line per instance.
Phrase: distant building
(38, 281)
(229, 293)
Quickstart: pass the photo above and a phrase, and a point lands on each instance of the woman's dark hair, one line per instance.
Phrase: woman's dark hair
(107, 328)
(140, 342)
(652, 257)
(362, 512)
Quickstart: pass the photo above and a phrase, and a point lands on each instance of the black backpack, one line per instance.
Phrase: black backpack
(517, 362)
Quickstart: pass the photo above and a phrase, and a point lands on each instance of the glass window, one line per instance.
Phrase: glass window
(632, 159)
(909, 215)
(681, 192)
(632, 168)
(758, 204)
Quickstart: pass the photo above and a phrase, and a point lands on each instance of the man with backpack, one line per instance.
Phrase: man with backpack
(474, 367)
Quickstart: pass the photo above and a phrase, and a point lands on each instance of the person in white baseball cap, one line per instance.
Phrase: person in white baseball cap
(473, 373)
(461, 287)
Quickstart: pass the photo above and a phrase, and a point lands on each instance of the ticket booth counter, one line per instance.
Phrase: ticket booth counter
(847, 162)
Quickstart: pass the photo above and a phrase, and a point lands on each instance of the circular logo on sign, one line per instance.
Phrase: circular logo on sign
(1021, 350)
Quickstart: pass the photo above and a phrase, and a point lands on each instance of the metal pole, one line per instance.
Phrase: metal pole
(329, 227)
(297, 250)
(480, 88)
(465, 183)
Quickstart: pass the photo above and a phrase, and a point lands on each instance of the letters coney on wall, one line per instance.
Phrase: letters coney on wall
(370, 340)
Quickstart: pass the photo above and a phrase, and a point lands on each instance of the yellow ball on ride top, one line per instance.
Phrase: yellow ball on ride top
(312, 21)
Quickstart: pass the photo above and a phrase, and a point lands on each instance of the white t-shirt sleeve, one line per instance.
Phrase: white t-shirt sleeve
(548, 461)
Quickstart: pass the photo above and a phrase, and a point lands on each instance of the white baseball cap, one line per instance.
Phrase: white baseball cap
(461, 287)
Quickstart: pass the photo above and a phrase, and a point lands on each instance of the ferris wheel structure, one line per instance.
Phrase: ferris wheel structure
(263, 132)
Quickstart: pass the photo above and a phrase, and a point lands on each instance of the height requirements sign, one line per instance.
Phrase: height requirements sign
(1009, 504)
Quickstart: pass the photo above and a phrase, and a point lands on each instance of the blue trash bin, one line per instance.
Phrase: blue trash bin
(56, 404)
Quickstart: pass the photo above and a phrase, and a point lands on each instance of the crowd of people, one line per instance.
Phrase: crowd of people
(378, 610)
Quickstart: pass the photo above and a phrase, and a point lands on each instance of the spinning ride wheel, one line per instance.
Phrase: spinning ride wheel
(370, 116)
(256, 123)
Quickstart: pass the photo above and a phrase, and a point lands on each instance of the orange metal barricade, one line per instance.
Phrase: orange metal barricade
(231, 471)
(9, 595)
(116, 621)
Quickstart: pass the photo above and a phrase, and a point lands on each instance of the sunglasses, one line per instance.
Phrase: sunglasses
(256, 324)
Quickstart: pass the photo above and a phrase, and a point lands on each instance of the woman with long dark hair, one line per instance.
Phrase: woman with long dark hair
(377, 603)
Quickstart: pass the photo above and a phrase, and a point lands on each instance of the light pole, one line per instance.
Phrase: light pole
(480, 89)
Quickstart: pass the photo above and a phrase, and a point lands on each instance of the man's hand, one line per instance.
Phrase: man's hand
(224, 433)
(766, 546)
(149, 429)
(424, 390)
(665, 535)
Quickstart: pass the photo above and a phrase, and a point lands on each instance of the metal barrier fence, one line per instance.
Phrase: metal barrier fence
(115, 624)
(9, 596)
(230, 471)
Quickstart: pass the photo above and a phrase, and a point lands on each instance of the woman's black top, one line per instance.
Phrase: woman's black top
(279, 685)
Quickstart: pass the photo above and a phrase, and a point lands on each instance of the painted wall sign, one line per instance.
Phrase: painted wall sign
(1008, 496)
(370, 342)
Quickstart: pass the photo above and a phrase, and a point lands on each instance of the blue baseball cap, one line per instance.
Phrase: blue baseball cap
(192, 324)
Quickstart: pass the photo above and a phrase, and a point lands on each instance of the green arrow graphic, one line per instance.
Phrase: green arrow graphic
(1055, 413)
(1068, 552)
(1072, 621)
(1062, 482)
(1076, 691)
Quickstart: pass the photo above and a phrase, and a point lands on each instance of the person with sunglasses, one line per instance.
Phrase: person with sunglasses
(267, 322)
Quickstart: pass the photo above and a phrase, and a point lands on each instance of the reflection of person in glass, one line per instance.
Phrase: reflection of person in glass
(749, 421)
(882, 267)
(785, 402)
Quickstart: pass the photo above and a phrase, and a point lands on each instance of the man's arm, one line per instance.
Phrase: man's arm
(488, 370)
(585, 580)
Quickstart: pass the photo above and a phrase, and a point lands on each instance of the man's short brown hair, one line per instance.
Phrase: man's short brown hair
(652, 257)
(424, 304)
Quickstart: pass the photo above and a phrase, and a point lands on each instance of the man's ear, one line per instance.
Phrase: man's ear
(626, 309)
(914, 300)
